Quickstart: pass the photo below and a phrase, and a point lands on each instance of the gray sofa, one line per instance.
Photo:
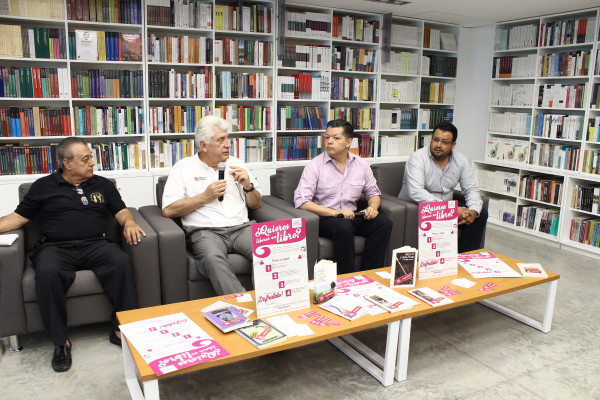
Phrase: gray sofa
(86, 301)
(389, 178)
(283, 185)
(180, 279)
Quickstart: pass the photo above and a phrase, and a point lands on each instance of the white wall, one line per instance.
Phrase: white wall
(475, 51)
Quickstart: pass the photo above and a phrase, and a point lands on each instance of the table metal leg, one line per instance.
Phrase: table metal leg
(543, 326)
(382, 368)
(403, 348)
(147, 390)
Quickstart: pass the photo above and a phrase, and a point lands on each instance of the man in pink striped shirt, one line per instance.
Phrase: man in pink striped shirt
(330, 186)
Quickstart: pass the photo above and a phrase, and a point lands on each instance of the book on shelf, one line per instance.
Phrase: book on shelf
(131, 44)
(227, 319)
(262, 334)
(448, 41)
(86, 45)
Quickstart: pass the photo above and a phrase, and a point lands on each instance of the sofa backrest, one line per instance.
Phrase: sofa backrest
(160, 188)
(285, 182)
(389, 177)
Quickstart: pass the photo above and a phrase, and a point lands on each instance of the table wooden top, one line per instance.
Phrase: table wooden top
(240, 349)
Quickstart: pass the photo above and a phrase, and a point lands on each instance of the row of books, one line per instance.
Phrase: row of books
(514, 67)
(438, 40)
(398, 118)
(541, 188)
(439, 66)
(585, 230)
(115, 11)
(252, 150)
(404, 35)
(346, 58)
(355, 89)
(558, 126)
(244, 18)
(571, 31)
(595, 98)
(514, 94)
(180, 13)
(105, 46)
(498, 181)
(243, 52)
(562, 96)
(357, 29)
(438, 92)
(516, 37)
(165, 153)
(27, 159)
(305, 86)
(245, 118)
(507, 149)
(593, 129)
(396, 146)
(106, 83)
(180, 49)
(52, 9)
(290, 148)
(301, 118)
(180, 85)
(501, 210)
(511, 123)
(568, 63)
(360, 118)
(430, 117)
(119, 156)
(555, 155)
(310, 56)
(591, 161)
(108, 120)
(363, 145)
(400, 92)
(307, 25)
(177, 119)
(402, 63)
(36, 82)
(18, 41)
(585, 198)
(539, 219)
(35, 121)
(243, 85)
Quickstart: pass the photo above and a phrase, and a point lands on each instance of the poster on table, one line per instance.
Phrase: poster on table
(172, 342)
(438, 239)
(280, 266)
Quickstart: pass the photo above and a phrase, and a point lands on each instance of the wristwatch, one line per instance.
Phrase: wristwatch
(249, 190)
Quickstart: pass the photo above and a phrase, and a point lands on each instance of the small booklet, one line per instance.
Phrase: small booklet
(532, 270)
(227, 319)
(325, 281)
(8, 239)
(348, 307)
(391, 301)
(404, 262)
(222, 304)
(262, 334)
(430, 296)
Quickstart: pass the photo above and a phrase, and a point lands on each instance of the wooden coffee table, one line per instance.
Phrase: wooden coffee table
(143, 383)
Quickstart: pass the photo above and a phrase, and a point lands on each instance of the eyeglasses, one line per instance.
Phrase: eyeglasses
(444, 142)
(84, 199)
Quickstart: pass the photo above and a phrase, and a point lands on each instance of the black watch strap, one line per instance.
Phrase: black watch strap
(249, 190)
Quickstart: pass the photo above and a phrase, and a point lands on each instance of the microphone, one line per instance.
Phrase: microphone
(221, 168)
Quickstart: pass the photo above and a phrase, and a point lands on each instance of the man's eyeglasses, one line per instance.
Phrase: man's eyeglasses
(84, 199)
(444, 142)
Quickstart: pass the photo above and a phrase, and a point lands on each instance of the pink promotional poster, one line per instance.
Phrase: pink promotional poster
(438, 239)
(280, 266)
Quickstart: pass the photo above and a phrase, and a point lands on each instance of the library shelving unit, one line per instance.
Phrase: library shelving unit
(543, 133)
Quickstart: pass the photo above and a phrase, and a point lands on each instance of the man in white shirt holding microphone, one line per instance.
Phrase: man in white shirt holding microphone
(211, 192)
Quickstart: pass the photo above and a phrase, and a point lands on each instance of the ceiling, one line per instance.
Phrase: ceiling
(467, 13)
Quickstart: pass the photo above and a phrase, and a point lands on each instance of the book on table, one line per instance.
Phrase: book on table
(390, 300)
(222, 304)
(532, 270)
(227, 319)
(262, 334)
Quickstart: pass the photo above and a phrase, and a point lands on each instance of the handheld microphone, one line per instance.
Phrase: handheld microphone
(221, 169)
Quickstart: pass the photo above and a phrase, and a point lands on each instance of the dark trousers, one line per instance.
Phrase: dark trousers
(342, 231)
(55, 266)
(470, 235)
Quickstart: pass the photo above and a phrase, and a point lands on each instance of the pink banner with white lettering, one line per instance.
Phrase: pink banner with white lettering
(438, 239)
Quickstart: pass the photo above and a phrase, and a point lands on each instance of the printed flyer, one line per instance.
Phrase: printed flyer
(280, 266)
(172, 342)
(486, 265)
(438, 239)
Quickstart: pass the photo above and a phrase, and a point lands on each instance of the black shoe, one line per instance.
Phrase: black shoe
(114, 339)
(61, 360)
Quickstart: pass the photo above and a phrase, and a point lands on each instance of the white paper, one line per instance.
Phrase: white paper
(244, 298)
(8, 239)
(384, 274)
(463, 282)
(486, 265)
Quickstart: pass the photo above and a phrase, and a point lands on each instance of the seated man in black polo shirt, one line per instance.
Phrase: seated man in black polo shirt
(72, 204)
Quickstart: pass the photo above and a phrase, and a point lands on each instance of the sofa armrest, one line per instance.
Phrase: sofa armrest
(144, 260)
(312, 228)
(397, 213)
(171, 255)
(12, 307)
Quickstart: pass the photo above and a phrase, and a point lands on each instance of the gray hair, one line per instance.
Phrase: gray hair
(204, 129)
(64, 149)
